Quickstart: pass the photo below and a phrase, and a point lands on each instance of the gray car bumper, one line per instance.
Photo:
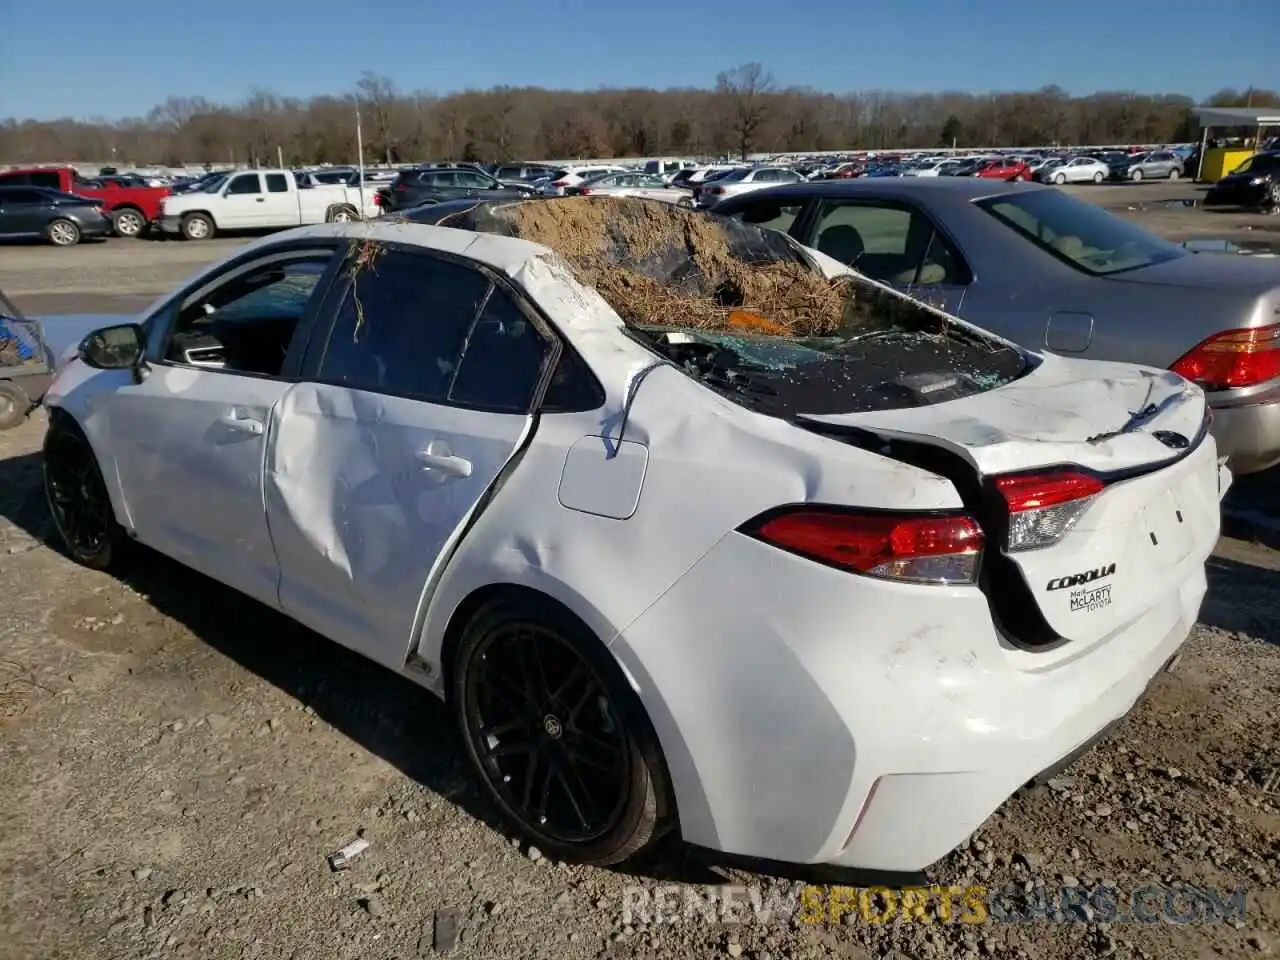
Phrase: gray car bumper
(1248, 433)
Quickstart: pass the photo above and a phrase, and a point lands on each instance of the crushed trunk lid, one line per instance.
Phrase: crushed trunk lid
(1103, 416)
(1151, 517)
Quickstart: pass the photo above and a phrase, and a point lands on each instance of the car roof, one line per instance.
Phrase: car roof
(955, 189)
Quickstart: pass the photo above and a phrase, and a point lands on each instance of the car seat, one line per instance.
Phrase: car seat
(842, 242)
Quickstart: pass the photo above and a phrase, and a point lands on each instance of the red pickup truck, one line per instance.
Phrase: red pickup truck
(131, 208)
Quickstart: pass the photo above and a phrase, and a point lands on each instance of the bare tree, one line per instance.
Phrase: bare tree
(378, 95)
(744, 112)
(745, 90)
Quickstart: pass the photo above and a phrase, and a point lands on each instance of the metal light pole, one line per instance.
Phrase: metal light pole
(360, 152)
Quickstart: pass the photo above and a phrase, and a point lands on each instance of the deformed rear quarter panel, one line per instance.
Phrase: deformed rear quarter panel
(711, 465)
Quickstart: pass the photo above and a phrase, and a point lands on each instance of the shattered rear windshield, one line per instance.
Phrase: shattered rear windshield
(745, 311)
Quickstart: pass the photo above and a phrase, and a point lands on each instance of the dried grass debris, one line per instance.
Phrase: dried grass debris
(617, 245)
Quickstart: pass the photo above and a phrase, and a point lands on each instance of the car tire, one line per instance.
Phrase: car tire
(1174, 174)
(1135, 175)
(1019, 178)
(62, 232)
(1097, 178)
(344, 213)
(14, 404)
(1273, 194)
(129, 222)
(77, 497)
(1060, 179)
(198, 226)
(532, 649)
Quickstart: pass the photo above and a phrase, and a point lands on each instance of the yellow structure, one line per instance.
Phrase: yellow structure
(1220, 161)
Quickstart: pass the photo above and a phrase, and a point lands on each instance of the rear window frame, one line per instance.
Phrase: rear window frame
(986, 205)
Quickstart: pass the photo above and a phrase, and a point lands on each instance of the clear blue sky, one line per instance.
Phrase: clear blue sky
(112, 60)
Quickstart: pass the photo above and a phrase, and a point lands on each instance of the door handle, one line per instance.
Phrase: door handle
(262, 200)
(235, 420)
(437, 456)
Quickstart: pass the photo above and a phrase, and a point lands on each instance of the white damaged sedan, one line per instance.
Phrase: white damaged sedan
(813, 599)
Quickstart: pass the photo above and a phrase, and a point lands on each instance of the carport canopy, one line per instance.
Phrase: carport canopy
(1234, 117)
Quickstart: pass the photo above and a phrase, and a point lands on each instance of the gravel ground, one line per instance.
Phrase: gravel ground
(177, 763)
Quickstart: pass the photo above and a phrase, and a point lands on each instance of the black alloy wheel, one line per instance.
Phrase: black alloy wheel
(549, 725)
(78, 498)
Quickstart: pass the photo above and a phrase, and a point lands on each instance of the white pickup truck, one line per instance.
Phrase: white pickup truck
(261, 200)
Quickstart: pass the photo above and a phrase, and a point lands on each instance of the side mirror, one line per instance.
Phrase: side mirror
(121, 347)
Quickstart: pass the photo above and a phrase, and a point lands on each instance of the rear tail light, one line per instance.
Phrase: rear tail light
(402, 186)
(1233, 358)
(907, 547)
(559, 184)
(584, 191)
(1043, 507)
(716, 190)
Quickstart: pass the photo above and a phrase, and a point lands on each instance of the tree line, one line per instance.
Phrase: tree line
(745, 111)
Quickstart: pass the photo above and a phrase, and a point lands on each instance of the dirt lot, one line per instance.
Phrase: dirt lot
(176, 762)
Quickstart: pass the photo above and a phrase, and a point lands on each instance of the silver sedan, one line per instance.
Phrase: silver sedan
(1056, 273)
(642, 185)
(1076, 170)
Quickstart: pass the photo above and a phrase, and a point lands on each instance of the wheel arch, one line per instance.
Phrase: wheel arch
(478, 598)
(573, 607)
(59, 415)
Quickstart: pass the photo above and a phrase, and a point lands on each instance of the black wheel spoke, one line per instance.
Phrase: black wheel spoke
(584, 817)
(576, 674)
(595, 751)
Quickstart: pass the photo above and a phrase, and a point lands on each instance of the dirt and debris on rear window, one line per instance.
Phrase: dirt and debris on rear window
(744, 310)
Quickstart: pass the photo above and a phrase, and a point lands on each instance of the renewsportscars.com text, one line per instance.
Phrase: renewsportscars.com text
(972, 905)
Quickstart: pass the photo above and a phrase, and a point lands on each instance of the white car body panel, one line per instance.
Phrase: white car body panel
(759, 669)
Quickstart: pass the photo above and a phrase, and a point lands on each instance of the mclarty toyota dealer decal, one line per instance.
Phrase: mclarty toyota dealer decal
(1083, 597)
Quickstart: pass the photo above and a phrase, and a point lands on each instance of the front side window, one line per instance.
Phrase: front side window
(246, 322)
(892, 244)
(402, 324)
(1080, 234)
(245, 183)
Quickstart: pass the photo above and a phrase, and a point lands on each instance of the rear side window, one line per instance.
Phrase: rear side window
(503, 360)
(1078, 233)
(402, 324)
(15, 179)
(46, 179)
(276, 183)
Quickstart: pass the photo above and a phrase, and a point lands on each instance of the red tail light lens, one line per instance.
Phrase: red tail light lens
(584, 191)
(1233, 358)
(559, 183)
(911, 548)
(716, 190)
(1043, 507)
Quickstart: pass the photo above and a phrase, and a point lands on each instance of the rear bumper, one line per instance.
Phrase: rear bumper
(825, 718)
(1248, 434)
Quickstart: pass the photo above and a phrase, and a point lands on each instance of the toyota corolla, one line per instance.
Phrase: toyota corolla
(825, 597)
